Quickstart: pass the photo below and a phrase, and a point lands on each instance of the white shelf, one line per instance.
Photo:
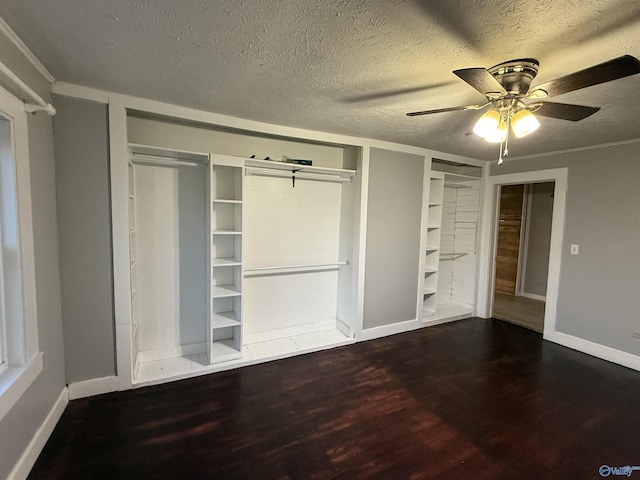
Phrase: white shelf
(433, 227)
(290, 167)
(428, 313)
(432, 248)
(224, 200)
(224, 320)
(462, 177)
(429, 271)
(222, 291)
(435, 204)
(225, 262)
(137, 149)
(226, 232)
(429, 291)
(223, 350)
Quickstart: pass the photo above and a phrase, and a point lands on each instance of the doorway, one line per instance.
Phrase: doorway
(488, 240)
(525, 217)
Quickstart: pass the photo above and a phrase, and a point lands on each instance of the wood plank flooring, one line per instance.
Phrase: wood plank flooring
(523, 311)
(474, 399)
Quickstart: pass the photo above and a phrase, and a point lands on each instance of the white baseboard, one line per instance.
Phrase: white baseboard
(386, 330)
(595, 349)
(95, 386)
(30, 455)
(533, 296)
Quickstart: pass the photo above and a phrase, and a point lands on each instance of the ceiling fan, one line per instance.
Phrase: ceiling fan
(507, 89)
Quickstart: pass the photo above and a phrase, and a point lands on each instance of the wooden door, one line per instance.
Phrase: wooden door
(508, 251)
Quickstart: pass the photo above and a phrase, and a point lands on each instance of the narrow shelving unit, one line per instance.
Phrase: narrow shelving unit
(456, 280)
(135, 316)
(434, 221)
(226, 258)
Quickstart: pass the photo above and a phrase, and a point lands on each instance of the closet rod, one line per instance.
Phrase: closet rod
(298, 175)
(461, 175)
(289, 267)
(154, 160)
(456, 185)
(29, 108)
(453, 256)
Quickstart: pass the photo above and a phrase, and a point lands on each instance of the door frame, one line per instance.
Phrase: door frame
(488, 239)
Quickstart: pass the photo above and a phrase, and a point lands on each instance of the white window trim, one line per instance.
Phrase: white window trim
(19, 374)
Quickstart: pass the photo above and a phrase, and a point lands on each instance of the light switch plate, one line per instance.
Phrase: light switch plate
(575, 249)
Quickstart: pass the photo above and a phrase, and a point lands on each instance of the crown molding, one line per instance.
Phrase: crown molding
(20, 45)
(575, 149)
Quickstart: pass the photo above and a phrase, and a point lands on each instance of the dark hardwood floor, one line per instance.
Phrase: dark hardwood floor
(475, 399)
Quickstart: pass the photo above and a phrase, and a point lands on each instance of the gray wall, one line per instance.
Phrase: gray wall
(538, 238)
(18, 427)
(394, 213)
(599, 295)
(82, 188)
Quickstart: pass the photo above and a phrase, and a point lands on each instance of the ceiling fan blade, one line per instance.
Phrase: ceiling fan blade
(604, 72)
(442, 110)
(481, 80)
(565, 111)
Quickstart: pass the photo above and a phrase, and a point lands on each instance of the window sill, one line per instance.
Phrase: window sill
(16, 380)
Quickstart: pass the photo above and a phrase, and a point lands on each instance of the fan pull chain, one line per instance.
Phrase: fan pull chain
(504, 143)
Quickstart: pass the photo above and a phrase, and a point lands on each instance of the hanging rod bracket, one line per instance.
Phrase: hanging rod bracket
(293, 178)
(32, 108)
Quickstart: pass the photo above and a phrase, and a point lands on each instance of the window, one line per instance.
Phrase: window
(20, 360)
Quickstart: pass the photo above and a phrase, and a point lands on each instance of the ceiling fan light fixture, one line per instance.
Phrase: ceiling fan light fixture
(497, 135)
(523, 123)
(487, 124)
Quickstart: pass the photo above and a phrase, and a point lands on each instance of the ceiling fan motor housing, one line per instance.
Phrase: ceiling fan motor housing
(516, 75)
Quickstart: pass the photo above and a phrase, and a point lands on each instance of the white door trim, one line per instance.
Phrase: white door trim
(488, 239)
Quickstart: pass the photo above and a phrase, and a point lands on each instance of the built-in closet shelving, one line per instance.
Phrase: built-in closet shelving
(226, 258)
(135, 320)
(191, 286)
(434, 219)
(451, 242)
(168, 220)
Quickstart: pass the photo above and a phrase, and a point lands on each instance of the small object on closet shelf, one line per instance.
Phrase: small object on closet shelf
(297, 161)
(267, 158)
(283, 158)
(252, 156)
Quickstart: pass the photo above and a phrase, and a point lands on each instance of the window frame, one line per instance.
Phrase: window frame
(22, 358)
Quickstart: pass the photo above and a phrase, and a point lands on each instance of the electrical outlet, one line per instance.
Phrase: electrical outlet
(635, 335)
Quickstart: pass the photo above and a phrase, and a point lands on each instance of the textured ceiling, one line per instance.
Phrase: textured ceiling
(345, 66)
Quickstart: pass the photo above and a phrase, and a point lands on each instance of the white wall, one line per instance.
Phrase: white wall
(285, 225)
(170, 226)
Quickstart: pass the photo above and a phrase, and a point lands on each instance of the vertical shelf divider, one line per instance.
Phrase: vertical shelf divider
(225, 259)
(434, 223)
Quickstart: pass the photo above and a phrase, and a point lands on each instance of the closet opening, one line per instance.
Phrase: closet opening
(451, 233)
(521, 261)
